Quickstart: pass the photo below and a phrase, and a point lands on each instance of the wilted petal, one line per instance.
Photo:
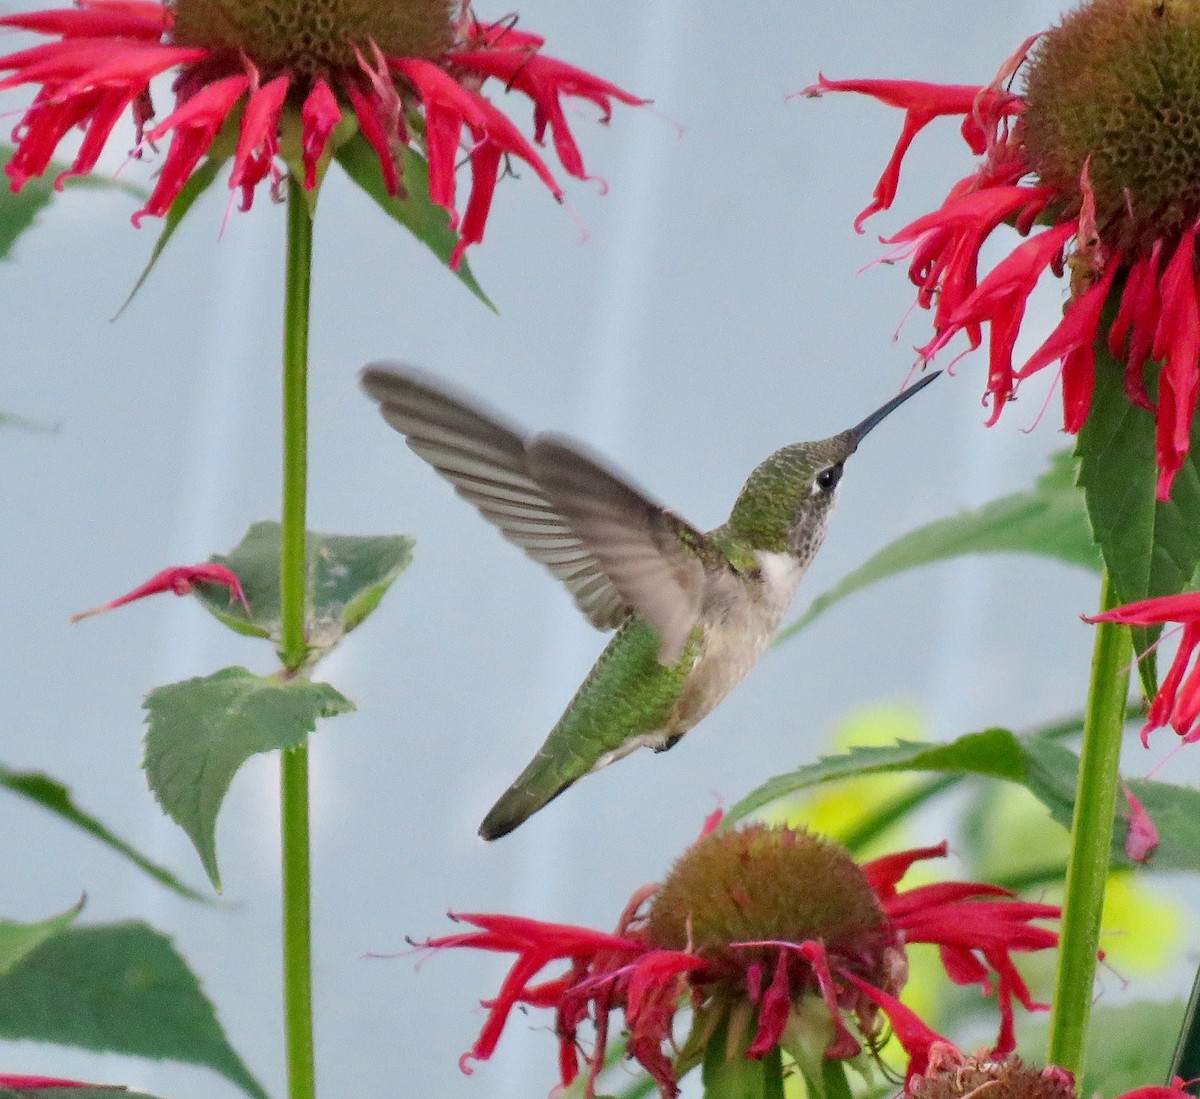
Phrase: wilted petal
(1142, 838)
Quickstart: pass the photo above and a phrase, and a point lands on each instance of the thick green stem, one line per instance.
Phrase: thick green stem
(297, 901)
(1186, 1062)
(729, 1074)
(295, 427)
(833, 1079)
(1091, 840)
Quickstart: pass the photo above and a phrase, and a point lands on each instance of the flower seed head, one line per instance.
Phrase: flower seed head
(774, 884)
(1007, 1079)
(1116, 86)
(312, 37)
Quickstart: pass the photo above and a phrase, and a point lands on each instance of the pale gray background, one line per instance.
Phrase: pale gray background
(713, 315)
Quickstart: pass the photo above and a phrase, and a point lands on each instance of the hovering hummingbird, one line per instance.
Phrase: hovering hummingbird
(692, 611)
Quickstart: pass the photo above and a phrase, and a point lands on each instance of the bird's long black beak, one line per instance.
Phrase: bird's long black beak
(857, 433)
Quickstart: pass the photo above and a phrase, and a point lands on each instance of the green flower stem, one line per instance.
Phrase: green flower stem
(295, 426)
(833, 1079)
(297, 900)
(772, 1069)
(1187, 1050)
(297, 927)
(729, 1074)
(1091, 839)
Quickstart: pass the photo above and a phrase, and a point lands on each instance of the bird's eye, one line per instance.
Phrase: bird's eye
(827, 479)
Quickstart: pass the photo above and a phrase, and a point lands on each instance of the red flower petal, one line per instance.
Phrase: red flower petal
(773, 1011)
(319, 117)
(503, 34)
(917, 1039)
(126, 20)
(258, 141)
(194, 124)
(45, 124)
(1137, 320)
(448, 106)
(1167, 706)
(1177, 342)
(1187, 707)
(1183, 608)
(545, 80)
(368, 109)
(1074, 342)
(921, 102)
(1000, 299)
(180, 579)
(1177, 1090)
(884, 874)
(107, 112)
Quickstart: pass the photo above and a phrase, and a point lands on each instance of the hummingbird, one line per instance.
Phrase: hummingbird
(692, 611)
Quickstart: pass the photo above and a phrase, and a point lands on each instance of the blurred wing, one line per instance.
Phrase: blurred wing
(484, 458)
(651, 556)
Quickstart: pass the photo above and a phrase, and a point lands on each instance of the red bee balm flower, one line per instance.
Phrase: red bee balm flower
(1102, 149)
(285, 82)
(1178, 700)
(777, 935)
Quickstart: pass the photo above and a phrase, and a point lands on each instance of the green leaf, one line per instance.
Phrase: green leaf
(56, 798)
(1048, 770)
(1150, 547)
(347, 577)
(9, 419)
(118, 988)
(1049, 520)
(201, 731)
(18, 939)
(996, 752)
(413, 208)
(197, 183)
(18, 212)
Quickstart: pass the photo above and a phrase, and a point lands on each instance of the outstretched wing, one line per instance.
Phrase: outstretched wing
(483, 457)
(651, 556)
(615, 550)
